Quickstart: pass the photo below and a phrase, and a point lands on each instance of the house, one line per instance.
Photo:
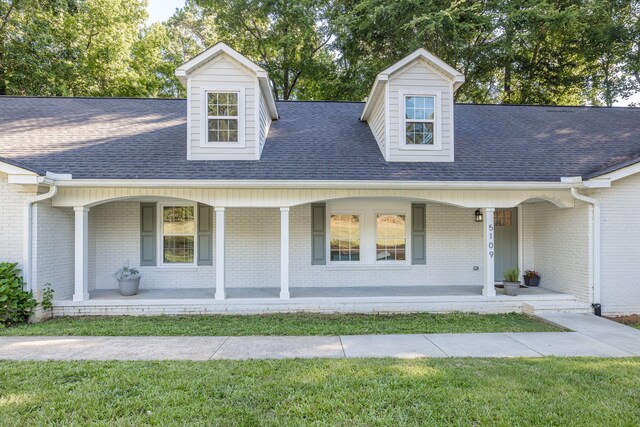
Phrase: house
(231, 201)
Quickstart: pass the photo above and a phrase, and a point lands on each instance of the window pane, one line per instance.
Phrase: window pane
(419, 108)
(223, 130)
(419, 133)
(222, 104)
(178, 249)
(345, 238)
(391, 240)
(178, 220)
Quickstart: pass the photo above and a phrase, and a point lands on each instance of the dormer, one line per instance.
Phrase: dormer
(410, 109)
(230, 105)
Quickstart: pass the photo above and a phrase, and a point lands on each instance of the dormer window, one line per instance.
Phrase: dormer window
(224, 124)
(419, 121)
(222, 117)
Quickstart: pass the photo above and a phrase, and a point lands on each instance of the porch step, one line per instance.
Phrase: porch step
(542, 307)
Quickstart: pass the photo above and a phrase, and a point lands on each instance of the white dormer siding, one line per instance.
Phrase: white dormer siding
(377, 123)
(422, 80)
(241, 101)
(264, 122)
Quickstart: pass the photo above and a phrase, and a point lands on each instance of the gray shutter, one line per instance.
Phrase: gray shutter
(147, 234)
(418, 233)
(205, 235)
(318, 234)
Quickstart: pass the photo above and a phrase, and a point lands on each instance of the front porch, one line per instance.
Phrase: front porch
(373, 252)
(358, 299)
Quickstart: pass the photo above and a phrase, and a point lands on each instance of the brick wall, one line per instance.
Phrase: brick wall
(454, 247)
(116, 232)
(53, 248)
(620, 246)
(561, 246)
(253, 247)
(12, 211)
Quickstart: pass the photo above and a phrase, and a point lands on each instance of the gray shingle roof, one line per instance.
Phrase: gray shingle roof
(105, 138)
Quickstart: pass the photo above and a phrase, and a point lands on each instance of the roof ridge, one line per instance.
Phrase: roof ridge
(328, 101)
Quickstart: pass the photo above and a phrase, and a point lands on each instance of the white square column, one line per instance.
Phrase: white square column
(81, 254)
(220, 262)
(284, 253)
(489, 289)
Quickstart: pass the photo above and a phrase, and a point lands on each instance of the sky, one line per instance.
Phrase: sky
(161, 10)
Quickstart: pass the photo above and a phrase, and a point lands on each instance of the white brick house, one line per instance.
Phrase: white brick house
(230, 201)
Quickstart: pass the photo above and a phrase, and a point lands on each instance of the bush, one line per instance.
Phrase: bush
(16, 304)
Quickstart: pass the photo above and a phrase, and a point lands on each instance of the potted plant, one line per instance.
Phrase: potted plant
(531, 278)
(511, 282)
(128, 280)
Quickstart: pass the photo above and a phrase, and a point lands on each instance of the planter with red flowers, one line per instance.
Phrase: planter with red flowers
(531, 278)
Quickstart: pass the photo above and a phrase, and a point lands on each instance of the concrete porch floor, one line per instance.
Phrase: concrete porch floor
(311, 292)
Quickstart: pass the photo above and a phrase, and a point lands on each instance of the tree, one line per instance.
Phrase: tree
(611, 42)
(288, 38)
(69, 47)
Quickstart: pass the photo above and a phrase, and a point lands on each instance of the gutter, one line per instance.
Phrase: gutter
(311, 184)
(596, 243)
(28, 240)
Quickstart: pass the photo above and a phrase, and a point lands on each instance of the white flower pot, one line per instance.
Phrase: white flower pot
(512, 288)
(129, 287)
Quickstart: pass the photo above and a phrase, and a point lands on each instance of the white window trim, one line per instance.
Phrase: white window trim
(368, 212)
(360, 215)
(204, 123)
(437, 125)
(407, 237)
(160, 243)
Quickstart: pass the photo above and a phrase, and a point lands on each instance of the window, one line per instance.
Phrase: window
(222, 116)
(345, 238)
(419, 120)
(178, 234)
(391, 238)
(502, 218)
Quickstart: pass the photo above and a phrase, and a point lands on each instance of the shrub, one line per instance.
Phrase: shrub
(47, 297)
(16, 304)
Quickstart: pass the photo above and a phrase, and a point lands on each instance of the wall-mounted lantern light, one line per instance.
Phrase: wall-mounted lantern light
(478, 215)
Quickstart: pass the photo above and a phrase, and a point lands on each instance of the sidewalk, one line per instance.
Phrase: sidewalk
(592, 336)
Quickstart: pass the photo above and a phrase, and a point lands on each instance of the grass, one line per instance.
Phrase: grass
(365, 392)
(285, 324)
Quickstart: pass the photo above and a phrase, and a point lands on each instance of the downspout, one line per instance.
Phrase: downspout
(596, 246)
(28, 240)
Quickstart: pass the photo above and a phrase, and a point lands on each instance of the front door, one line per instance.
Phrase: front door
(506, 240)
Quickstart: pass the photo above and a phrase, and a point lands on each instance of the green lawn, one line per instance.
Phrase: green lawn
(365, 392)
(285, 324)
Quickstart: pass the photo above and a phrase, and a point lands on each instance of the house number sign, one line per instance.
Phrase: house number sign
(490, 239)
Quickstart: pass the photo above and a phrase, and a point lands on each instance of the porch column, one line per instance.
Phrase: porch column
(284, 253)
(489, 254)
(81, 254)
(220, 273)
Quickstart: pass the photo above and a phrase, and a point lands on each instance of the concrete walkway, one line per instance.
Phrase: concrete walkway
(592, 336)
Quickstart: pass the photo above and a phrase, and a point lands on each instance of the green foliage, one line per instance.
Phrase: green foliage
(15, 304)
(510, 51)
(47, 297)
(287, 38)
(511, 275)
